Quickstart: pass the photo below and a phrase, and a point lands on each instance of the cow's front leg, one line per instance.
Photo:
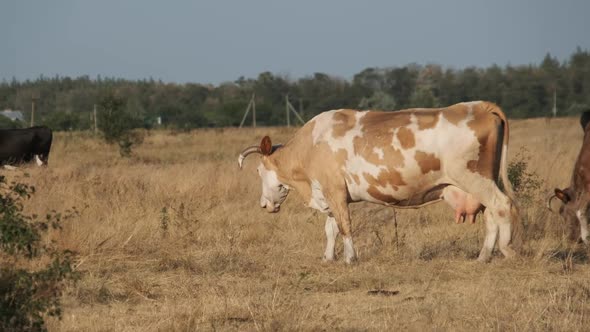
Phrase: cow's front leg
(331, 234)
(337, 199)
(349, 252)
(343, 220)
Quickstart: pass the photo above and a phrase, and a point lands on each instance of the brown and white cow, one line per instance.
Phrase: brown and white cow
(404, 159)
(576, 197)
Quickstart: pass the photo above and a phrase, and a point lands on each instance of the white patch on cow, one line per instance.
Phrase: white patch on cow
(349, 254)
(318, 200)
(378, 152)
(38, 161)
(583, 226)
(323, 123)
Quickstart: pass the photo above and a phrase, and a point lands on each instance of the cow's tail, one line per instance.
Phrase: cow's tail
(517, 226)
(494, 109)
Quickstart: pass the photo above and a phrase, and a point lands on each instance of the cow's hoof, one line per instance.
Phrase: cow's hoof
(328, 259)
(508, 252)
(350, 260)
(484, 259)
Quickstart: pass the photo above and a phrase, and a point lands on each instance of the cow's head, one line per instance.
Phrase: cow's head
(274, 192)
(572, 209)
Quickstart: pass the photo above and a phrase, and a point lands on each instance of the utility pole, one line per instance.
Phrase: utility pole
(300, 106)
(94, 114)
(251, 105)
(292, 109)
(287, 111)
(34, 97)
(554, 102)
(254, 110)
(32, 112)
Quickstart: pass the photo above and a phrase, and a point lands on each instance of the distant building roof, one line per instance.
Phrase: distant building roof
(13, 115)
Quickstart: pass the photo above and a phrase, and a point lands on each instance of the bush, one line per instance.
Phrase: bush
(525, 183)
(26, 295)
(117, 124)
(6, 123)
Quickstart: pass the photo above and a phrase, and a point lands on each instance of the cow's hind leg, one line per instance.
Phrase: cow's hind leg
(499, 214)
(331, 234)
(490, 238)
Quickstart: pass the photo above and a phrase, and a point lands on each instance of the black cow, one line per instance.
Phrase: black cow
(24, 145)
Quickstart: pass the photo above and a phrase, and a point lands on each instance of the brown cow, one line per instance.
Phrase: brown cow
(576, 197)
(405, 159)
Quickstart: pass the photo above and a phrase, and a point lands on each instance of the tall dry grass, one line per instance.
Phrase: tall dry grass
(173, 239)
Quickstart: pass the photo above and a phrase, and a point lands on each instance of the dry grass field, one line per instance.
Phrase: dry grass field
(173, 239)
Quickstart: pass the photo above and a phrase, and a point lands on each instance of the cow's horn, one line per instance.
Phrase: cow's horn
(246, 152)
(549, 202)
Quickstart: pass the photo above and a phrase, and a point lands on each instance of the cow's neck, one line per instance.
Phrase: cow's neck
(283, 162)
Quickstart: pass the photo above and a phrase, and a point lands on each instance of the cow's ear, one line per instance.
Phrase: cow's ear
(562, 195)
(266, 146)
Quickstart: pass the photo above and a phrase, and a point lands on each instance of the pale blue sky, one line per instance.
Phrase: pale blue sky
(217, 41)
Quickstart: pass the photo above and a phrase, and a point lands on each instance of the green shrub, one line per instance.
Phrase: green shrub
(26, 294)
(6, 123)
(117, 123)
(526, 184)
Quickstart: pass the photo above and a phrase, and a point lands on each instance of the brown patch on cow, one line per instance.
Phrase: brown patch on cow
(341, 156)
(344, 121)
(427, 162)
(406, 138)
(487, 128)
(502, 213)
(378, 195)
(379, 123)
(385, 177)
(472, 165)
(456, 113)
(356, 179)
(378, 128)
(427, 120)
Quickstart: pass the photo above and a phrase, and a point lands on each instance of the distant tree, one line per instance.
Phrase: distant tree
(63, 121)
(522, 91)
(379, 100)
(400, 83)
(423, 97)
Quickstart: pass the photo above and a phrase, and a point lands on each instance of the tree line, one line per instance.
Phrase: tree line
(523, 91)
